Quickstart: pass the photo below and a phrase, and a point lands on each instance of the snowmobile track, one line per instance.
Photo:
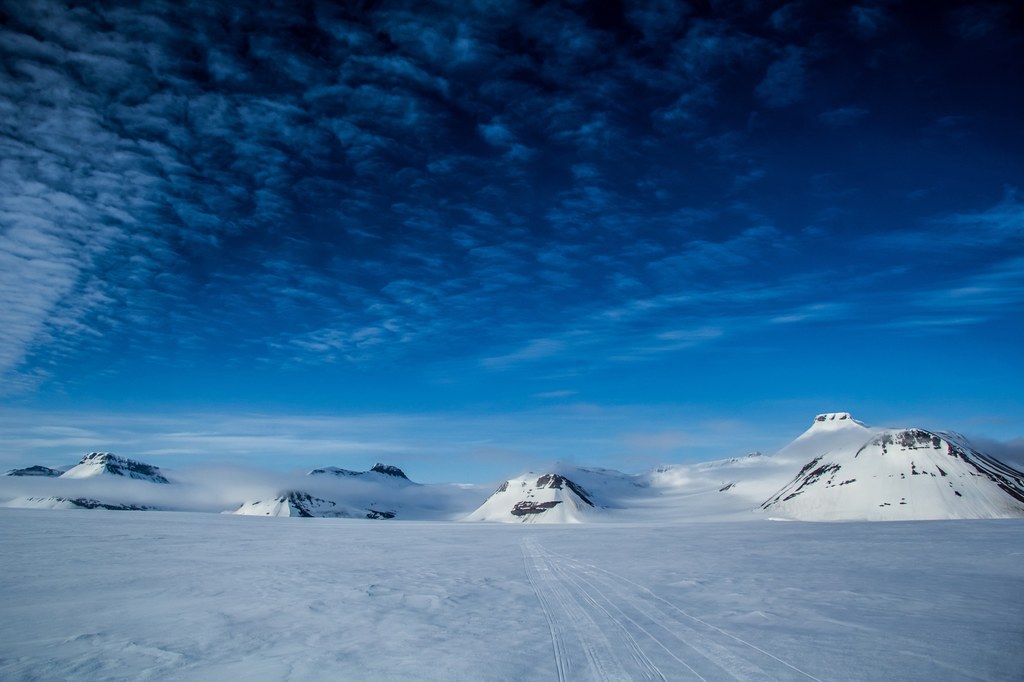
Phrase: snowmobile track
(606, 627)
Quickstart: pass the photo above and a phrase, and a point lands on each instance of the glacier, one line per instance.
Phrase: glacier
(189, 596)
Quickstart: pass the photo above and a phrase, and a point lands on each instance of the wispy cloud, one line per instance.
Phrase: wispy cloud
(998, 225)
(536, 349)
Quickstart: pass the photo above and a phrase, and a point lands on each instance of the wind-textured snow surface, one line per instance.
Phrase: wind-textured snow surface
(182, 596)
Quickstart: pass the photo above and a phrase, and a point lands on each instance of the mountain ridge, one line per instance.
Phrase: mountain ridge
(837, 469)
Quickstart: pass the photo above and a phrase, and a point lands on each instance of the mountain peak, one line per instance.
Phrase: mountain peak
(833, 420)
(389, 470)
(378, 468)
(35, 470)
(106, 463)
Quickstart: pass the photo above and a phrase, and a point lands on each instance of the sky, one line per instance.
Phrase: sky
(470, 237)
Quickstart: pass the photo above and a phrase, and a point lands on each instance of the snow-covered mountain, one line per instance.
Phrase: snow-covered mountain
(100, 480)
(340, 493)
(107, 464)
(56, 502)
(387, 473)
(839, 469)
(41, 471)
(308, 506)
(293, 504)
(537, 498)
(853, 472)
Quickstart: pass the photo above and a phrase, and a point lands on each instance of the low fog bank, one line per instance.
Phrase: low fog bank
(1009, 451)
(225, 488)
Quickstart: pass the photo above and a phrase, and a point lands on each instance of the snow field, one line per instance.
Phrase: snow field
(144, 595)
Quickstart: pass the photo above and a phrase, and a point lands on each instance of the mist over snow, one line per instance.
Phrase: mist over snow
(224, 488)
(839, 468)
(203, 489)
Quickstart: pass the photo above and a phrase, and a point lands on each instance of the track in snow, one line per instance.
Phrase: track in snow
(606, 627)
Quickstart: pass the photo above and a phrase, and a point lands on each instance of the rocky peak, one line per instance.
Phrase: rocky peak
(122, 466)
(389, 470)
(834, 420)
(560, 482)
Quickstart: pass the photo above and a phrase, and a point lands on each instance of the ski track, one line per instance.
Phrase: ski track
(607, 627)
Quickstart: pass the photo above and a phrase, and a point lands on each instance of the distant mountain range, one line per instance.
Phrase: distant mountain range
(837, 470)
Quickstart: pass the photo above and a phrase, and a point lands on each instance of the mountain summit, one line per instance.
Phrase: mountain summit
(380, 472)
(107, 464)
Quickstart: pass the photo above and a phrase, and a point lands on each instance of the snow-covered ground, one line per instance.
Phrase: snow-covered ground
(98, 595)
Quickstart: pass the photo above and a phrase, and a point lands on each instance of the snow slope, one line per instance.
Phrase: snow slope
(852, 472)
(175, 596)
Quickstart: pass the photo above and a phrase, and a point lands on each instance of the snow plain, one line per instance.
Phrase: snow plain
(103, 595)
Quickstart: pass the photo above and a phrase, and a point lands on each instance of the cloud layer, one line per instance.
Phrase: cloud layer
(479, 189)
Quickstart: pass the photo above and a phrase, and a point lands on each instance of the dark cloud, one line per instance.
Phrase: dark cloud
(842, 117)
(783, 83)
(868, 20)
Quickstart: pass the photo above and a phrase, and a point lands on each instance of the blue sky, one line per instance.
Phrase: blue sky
(471, 237)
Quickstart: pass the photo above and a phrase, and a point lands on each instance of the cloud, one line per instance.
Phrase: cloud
(783, 83)
(843, 117)
(1003, 221)
(229, 458)
(997, 291)
(1008, 451)
(711, 45)
(657, 20)
(868, 20)
(813, 312)
(979, 21)
(537, 349)
(554, 395)
(659, 441)
(502, 186)
(998, 225)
